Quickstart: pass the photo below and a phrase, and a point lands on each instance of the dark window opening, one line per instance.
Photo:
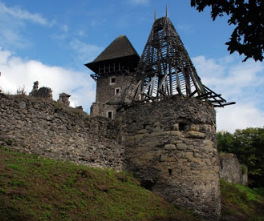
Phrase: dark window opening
(170, 171)
(117, 91)
(112, 80)
(110, 114)
(183, 127)
(221, 164)
(145, 125)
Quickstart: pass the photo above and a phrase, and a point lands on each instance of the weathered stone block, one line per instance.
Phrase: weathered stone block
(196, 134)
(175, 126)
(170, 147)
(181, 146)
(142, 131)
(194, 127)
(175, 133)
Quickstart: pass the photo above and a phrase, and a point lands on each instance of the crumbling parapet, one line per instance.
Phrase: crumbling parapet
(43, 92)
(34, 89)
(64, 99)
(79, 108)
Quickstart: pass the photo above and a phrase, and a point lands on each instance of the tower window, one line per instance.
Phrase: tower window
(109, 114)
(183, 126)
(112, 80)
(117, 91)
(170, 172)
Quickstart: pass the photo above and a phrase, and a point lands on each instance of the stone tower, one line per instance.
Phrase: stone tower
(114, 71)
(167, 121)
(169, 130)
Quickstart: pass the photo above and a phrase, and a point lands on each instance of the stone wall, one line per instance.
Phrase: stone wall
(106, 93)
(47, 128)
(170, 146)
(231, 170)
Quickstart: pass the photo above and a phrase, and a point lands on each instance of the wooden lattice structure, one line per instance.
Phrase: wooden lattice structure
(165, 68)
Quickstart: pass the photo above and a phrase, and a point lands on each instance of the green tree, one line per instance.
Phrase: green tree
(225, 142)
(248, 145)
(247, 17)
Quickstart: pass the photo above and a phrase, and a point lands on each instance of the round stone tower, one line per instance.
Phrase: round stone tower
(171, 148)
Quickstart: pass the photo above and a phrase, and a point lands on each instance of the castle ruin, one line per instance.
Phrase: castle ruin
(166, 116)
(152, 116)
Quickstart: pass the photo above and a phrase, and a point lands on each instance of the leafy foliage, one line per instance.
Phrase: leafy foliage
(248, 145)
(247, 16)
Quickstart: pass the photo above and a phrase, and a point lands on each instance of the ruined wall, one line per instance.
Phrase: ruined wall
(44, 127)
(170, 146)
(231, 170)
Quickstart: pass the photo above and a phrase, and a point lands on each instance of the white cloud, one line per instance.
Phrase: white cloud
(236, 81)
(239, 116)
(65, 28)
(186, 28)
(22, 14)
(13, 22)
(141, 2)
(85, 52)
(18, 73)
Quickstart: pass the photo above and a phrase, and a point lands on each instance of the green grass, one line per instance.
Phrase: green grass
(33, 188)
(241, 203)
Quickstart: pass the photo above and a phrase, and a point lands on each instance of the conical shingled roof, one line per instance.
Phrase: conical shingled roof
(120, 47)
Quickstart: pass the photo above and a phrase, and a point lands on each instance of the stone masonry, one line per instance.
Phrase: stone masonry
(48, 128)
(231, 170)
(170, 147)
(109, 94)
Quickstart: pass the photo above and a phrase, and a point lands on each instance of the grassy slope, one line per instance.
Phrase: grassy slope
(240, 203)
(34, 188)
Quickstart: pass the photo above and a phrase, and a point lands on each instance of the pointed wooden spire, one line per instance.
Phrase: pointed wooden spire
(165, 68)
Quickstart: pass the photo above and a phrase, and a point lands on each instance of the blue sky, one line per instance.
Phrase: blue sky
(50, 41)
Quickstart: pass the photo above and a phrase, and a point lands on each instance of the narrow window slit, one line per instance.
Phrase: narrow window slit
(183, 126)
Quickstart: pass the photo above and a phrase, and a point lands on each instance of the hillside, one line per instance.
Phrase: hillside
(241, 203)
(33, 188)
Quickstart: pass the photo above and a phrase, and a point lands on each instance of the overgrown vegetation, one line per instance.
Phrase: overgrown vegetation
(241, 203)
(34, 188)
(248, 145)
